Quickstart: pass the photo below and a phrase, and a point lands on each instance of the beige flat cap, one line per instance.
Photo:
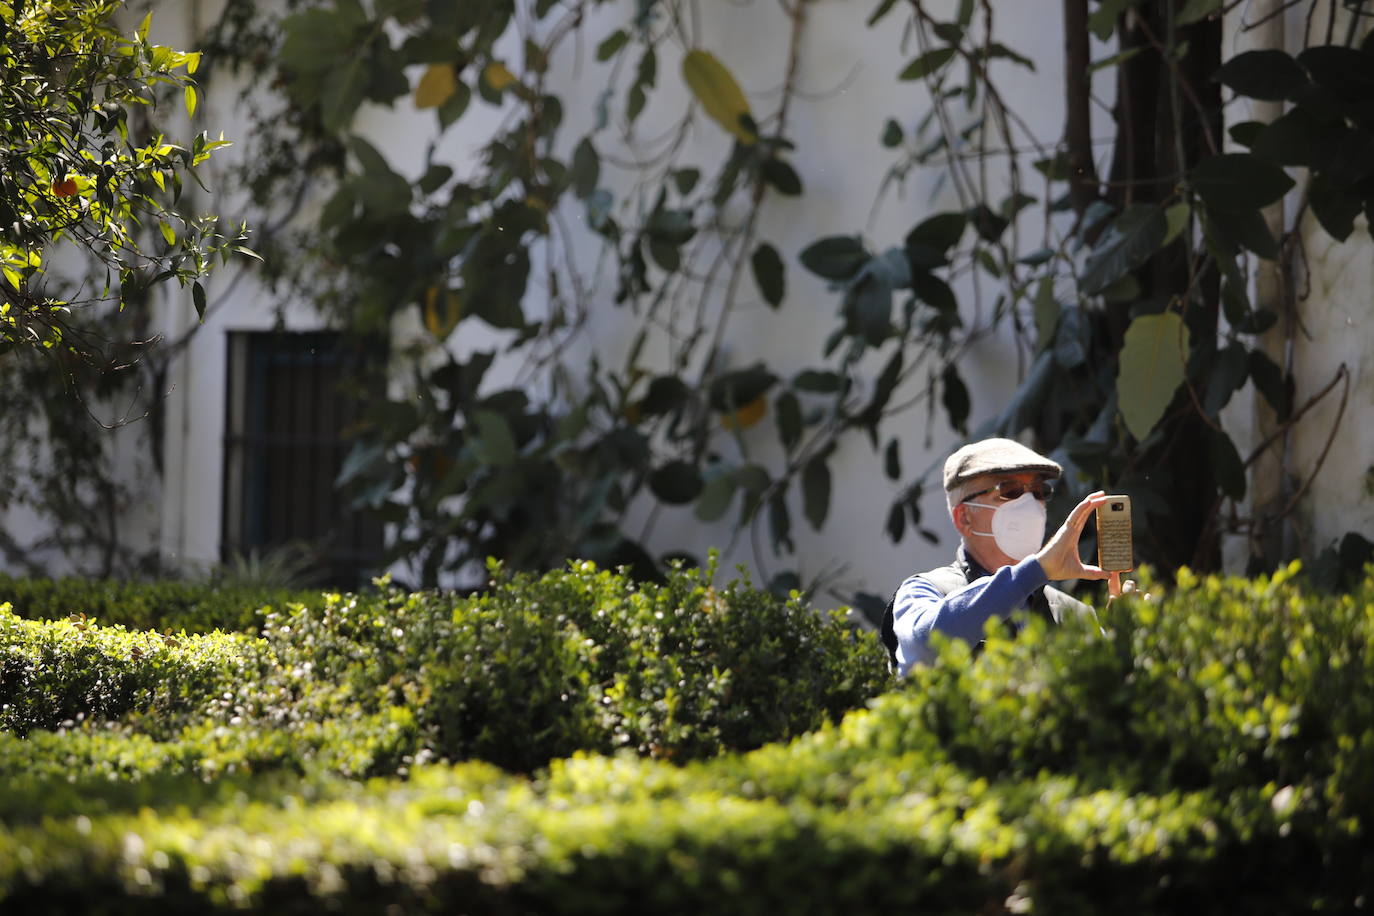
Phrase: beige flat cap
(995, 456)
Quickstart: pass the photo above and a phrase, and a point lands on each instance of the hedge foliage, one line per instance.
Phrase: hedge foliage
(533, 669)
(1212, 753)
(165, 606)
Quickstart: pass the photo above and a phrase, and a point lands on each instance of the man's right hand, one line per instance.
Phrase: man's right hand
(1059, 557)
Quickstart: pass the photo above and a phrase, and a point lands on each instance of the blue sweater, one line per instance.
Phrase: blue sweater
(919, 608)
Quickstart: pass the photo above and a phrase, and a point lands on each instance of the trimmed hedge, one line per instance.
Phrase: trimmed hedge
(534, 669)
(165, 606)
(71, 670)
(1213, 753)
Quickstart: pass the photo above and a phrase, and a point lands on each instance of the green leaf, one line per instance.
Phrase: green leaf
(871, 302)
(816, 382)
(665, 254)
(1246, 228)
(769, 273)
(455, 105)
(816, 491)
(1267, 74)
(1129, 242)
(341, 95)
(1176, 220)
(988, 224)
(954, 396)
(1046, 312)
(1246, 133)
(493, 443)
(198, 297)
(1115, 59)
(928, 243)
(1343, 70)
(836, 257)
(685, 180)
(788, 416)
(1227, 373)
(935, 293)
(634, 102)
(733, 390)
(882, 10)
(1271, 382)
(716, 496)
(1226, 464)
(1102, 21)
(677, 483)
(892, 460)
(666, 394)
(364, 459)
(1238, 181)
(586, 168)
(1037, 257)
(1335, 208)
(1070, 339)
(927, 63)
(896, 522)
(1196, 11)
(892, 134)
(611, 44)
(882, 390)
(781, 176)
(435, 177)
(1150, 369)
(999, 50)
(1298, 138)
(718, 93)
(168, 233)
(780, 522)
(189, 94)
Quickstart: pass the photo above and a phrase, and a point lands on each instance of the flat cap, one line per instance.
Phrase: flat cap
(995, 456)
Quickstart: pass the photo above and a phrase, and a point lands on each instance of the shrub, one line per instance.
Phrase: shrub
(70, 670)
(1210, 754)
(168, 606)
(534, 669)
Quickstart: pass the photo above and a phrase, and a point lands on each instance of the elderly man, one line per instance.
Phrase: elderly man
(996, 490)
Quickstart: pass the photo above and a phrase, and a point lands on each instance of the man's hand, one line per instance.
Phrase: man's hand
(1059, 557)
(1116, 587)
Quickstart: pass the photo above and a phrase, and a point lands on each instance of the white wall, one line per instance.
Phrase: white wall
(846, 78)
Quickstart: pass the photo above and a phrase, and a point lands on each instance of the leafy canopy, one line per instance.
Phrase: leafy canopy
(84, 178)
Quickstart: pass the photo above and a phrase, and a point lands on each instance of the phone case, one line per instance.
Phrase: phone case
(1115, 552)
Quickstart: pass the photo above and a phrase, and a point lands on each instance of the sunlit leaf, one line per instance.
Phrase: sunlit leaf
(1150, 369)
(436, 86)
(718, 93)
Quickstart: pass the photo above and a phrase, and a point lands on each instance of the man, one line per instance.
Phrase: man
(996, 490)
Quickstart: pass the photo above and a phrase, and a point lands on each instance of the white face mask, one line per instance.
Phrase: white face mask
(1018, 527)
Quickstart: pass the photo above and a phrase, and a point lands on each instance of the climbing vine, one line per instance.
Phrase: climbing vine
(559, 306)
(1129, 301)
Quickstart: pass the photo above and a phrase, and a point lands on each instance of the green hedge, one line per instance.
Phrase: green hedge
(535, 668)
(1213, 753)
(165, 606)
(53, 672)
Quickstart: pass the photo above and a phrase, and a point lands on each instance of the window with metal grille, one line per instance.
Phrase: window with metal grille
(287, 423)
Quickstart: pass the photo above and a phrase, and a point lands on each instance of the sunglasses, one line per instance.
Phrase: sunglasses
(1013, 489)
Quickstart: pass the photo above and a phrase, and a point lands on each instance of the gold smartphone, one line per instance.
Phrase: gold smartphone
(1114, 550)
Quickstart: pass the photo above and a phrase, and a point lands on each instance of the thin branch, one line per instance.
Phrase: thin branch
(1341, 373)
